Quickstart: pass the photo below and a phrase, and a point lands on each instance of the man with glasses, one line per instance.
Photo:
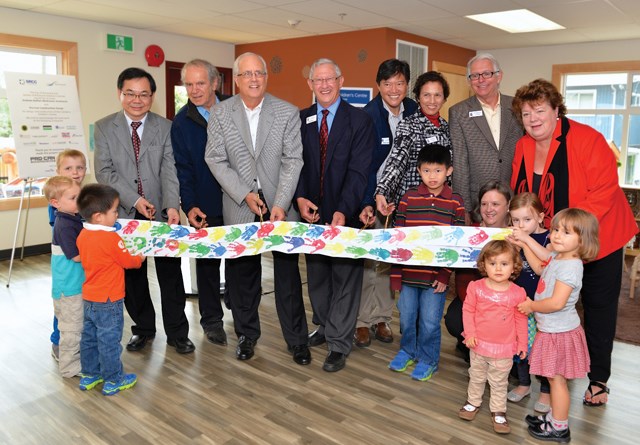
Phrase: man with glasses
(338, 142)
(255, 153)
(133, 154)
(484, 132)
(200, 193)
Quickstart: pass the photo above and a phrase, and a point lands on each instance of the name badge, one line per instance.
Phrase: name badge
(432, 140)
(384, 141)
(475, 113)
(311, 119)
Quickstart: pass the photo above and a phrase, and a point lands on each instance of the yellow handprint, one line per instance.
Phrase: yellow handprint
(335, 248)
(144, 227)
(423, 255)
(413, 235)
(348, 234)
(255, 244)
(502, 234)
(216, 234)
(282, 228)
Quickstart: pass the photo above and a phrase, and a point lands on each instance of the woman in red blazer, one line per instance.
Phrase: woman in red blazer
(569, 164)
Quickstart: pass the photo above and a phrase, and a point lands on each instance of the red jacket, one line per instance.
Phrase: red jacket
(593, 181)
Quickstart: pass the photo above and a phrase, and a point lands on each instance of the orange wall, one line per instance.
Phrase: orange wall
(358, 54)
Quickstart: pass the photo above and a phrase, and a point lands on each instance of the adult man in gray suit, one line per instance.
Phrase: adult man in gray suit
(134, 155)
(484, 131)
(255, 153)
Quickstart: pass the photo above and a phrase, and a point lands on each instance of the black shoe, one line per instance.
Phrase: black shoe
(335, 361)
(244, 351)
(301, 354)
(138, 342)
(182, 345)
(534, 421)
(216, 335)
(546, 432)
(316, 338)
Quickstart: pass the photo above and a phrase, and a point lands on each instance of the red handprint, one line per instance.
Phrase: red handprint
(130, 227)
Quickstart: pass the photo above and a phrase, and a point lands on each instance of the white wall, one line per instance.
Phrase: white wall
(98, 71)
(522, 65)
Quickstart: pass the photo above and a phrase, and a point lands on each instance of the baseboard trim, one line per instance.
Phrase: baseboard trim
(38, 249)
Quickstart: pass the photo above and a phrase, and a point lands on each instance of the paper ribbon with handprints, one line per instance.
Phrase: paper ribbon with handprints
(450, 246)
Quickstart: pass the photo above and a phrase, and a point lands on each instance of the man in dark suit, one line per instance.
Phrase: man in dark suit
(134, 155)
(200, 193)
(255, 153)
(387, 109)
(484, 132)
(338, 141)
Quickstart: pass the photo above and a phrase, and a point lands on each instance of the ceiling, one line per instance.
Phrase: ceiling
(249, 21)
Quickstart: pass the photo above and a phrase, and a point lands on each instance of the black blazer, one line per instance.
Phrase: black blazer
(349, 152)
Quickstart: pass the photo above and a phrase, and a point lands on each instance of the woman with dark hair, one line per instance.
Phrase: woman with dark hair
(425, 127)
(569, 164)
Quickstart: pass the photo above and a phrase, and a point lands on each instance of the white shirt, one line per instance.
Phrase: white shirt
(140, 128)
(493, 117)
(253, 116)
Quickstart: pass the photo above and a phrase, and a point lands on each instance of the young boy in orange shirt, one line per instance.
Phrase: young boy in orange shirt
(104, 258)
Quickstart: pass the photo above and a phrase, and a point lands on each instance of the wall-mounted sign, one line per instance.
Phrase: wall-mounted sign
(358, 97)
(120, 43)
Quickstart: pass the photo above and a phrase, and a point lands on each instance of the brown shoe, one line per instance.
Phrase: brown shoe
(500, 427)
(361, 337)
(467, 413)
(383, 332)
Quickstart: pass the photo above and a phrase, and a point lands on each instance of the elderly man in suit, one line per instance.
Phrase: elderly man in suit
(338, 142)
(133, 154)
(255, 153)
(200, 193)
(484, 132)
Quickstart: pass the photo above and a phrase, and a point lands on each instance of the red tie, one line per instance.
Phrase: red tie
(324, 139)
(135, 139)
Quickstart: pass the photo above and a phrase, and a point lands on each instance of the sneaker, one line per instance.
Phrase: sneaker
(400, 362)
(55, 352)
(111, 388)
(88, 382)
(423, 371)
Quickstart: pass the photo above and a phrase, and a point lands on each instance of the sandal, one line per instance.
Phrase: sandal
(604, 389)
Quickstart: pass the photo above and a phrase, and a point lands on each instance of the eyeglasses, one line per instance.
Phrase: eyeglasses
(250, 74)
(328, 80)
(484, 75)
(130, 95)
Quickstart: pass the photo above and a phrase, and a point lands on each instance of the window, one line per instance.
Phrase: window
(30, 55)
(606, 96)
(415, 55)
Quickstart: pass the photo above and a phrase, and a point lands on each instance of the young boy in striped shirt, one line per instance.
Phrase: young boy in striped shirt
(423, 288)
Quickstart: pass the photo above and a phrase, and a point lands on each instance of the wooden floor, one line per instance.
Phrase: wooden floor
(209, 397)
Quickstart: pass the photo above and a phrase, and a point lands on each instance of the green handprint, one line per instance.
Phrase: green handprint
(364, 238)
(160, 229)
(357, 251)
(233, 234)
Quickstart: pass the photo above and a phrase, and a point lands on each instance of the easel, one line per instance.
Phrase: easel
(29, 182)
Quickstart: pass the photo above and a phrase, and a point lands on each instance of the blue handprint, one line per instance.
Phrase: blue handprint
(249, 232)
(455, 236)
(179, 232)
(383, 236)
(470, 255)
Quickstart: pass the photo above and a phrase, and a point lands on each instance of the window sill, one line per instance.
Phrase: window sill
(14, 203)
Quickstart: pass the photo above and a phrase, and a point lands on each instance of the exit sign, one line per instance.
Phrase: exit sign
(119, 43)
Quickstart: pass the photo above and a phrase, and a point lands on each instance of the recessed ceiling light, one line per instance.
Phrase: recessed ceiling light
(518, 20)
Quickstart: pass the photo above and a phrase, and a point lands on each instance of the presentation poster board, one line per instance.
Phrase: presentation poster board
(46, 119)
(358, 97)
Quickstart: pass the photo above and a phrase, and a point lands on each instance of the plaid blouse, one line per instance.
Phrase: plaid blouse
(401, 171)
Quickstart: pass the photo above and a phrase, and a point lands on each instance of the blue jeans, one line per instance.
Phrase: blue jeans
(420, 313)
(100, 347)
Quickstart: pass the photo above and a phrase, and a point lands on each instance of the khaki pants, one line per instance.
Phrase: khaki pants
(494, 370)
(70, 313)
(376, 302)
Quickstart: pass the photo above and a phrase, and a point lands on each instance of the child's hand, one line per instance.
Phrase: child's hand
(471, 342)
(522, 355)
(439, 287)
(526, 306)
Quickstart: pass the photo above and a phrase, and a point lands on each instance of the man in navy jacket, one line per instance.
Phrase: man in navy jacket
(387, 109)
(330, 191)
(200, 193)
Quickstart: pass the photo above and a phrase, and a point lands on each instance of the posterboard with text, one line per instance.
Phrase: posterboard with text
(46, 119)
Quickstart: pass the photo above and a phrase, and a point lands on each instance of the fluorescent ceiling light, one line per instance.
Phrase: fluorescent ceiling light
(518, 20)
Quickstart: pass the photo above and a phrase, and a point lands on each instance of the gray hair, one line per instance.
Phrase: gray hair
(212, 71)
(483, 56)
(324, 61)
(236, 64)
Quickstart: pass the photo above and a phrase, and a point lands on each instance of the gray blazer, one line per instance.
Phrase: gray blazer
(476, 159)
(115, 163)
(276, 161)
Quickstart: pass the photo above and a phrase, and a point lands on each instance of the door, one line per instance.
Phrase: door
(456, 76)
